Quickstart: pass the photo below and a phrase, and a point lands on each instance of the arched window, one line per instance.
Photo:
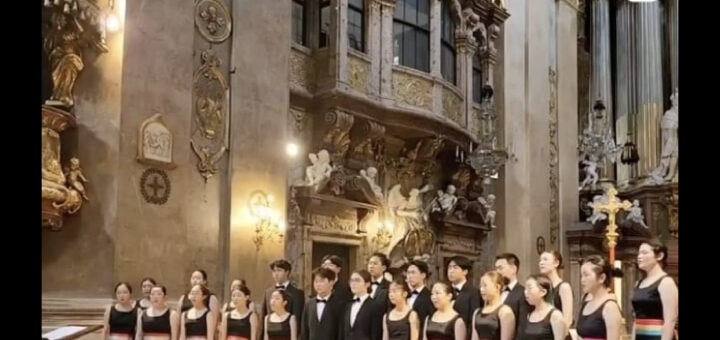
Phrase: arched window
(411, 34)
(477, 78)
(447, 39)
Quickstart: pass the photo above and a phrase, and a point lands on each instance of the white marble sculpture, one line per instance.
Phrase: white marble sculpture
(597, 216)
(488, 204)
(370, 175)
(319, 169)
(636, 215)
(408, 212)
(445, 201)
(591, 176)
(667, 170)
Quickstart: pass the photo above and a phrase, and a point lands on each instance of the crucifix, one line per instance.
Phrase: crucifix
(611, 207)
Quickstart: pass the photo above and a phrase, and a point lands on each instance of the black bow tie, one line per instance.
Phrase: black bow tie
(507, 289)
(457, 291)
(375, 283)
(279, 287)
(321, 300)
(356, 300)
(415, 292)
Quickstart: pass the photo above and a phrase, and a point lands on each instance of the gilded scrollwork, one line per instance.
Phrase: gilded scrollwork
(451, 106)
(211, 101)
(412, 90)
(358, 71)
(337, 136)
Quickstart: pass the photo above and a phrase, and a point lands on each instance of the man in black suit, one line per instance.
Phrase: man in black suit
(323, 315)
(280, 273)
(340, 287)
(417, 272)
(377, 265)
(467, 297)
(363, 318)
(507, 264)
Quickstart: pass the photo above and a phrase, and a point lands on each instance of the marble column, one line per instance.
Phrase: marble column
(387, 10)
(466, 48)
(672, 9)
(374, 44)
(649, 85)
(625, 83)
(601, 67)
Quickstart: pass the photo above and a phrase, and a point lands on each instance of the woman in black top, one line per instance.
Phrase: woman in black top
(599, 317)
(241, 323)
(230, 306)
(198, 322)
(495, 320)
(445, 323)
(121, 317)
(562, 296)
(545, 322)
(158, 322)
(199, 277)
(655, 298)
(400, 323)
(147, 284)
(280, 324)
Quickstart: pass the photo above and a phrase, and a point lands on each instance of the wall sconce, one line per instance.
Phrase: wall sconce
(266, 218)
(384, 234)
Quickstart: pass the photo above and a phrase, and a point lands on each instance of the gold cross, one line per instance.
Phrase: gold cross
(611, 208)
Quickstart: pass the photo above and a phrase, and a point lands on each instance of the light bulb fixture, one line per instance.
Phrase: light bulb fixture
(112, 24)
(291, 149)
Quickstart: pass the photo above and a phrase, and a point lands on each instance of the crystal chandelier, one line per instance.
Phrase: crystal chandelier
(487, 158)
(597, 142)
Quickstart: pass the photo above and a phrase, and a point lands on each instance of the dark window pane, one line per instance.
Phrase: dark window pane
(411, 11)
(298, 22)
(409, 47)
(397, 42)
(356, 3)
(447, 64)
(324, 25)
(422, 41)
(355, 29)
(477, 84)
(423, 14)
(399, 9)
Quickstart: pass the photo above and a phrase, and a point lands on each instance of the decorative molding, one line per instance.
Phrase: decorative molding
(155, 143)
(554, 154)
(155, 186)
(451, 104)
(297, 122)
(412, 90)
(334, 223)
(337, 135)
(213, 20)
(302, 70)
(358, 71)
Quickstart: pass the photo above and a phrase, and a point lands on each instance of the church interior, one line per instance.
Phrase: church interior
(220, 136)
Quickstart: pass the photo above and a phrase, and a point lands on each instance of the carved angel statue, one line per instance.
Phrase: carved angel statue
(488, 204)
(370, 175)
(597, 216)
(636, 215)
(207, 164)
(667, 170)
(319, 169)
(445, 201)
(591, 176)
(75, 178)
(411, 231)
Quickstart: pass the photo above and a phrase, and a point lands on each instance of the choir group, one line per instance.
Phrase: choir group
(369, 307)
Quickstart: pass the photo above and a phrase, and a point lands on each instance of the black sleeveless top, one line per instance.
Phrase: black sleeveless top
(187, 304)
(156, 325)
(441, 330)
(487, 325)
(278, 330)
(648, 310)
(139, 305)
(238, 327)
(557, 301)
(593, 324)
(398, 329)
(541, 330)
(122, 323)
(196, 327)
